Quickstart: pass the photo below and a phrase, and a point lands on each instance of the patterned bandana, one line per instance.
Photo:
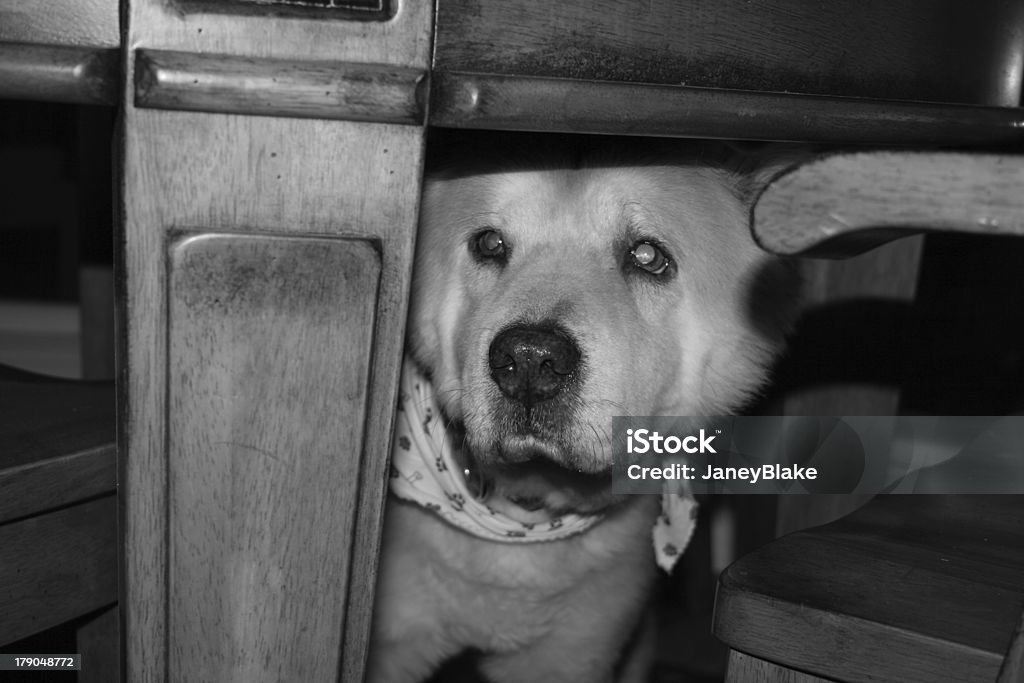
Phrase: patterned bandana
(424, 470)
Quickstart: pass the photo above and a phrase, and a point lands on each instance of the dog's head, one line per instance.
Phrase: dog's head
(562, 281)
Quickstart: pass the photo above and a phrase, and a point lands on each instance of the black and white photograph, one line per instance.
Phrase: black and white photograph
(510, 341)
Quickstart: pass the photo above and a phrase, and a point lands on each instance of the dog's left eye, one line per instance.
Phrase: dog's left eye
(650, 258)
(489, 244)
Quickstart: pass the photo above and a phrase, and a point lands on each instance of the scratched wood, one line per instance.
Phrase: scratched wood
(270, 349)
(250, 176)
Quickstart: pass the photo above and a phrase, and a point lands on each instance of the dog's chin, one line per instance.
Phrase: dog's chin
(527, 480)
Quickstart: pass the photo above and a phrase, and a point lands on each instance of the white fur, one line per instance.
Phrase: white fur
(699, 342)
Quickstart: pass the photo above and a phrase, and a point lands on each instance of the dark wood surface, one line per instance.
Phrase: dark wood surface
(58, 73)
(931, 50)
(57, 566)
(1012, 670)
(56, 442)
(922, 588)
(746, 669)
(877, 72)
(865, 73)
(97, 640)
(532, 103)
(58, 513)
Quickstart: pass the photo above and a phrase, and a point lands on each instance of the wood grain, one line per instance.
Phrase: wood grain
(939, 51)
(250, 175)
(56, 443)
(57, 566)
(242, 85)
(849, 203)
(523, 102)
(368, 195)
(930, 586)
(270, 338)
(746, 669)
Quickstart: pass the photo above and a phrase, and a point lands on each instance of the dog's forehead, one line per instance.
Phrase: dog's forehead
(556, 196)
(565, 203)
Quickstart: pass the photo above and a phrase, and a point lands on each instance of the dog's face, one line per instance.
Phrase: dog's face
(555, 291)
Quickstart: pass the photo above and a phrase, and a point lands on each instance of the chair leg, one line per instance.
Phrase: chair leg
(98, 644)
(96, 292)
(1013, 665)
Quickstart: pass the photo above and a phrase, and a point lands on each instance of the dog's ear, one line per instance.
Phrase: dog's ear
(756, 165)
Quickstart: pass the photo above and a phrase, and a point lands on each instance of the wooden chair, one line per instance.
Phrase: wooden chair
(270, 165)
(923, 588)
(909, 588)
(58, 513)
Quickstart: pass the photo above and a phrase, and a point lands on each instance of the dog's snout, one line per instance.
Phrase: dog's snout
(533, 364)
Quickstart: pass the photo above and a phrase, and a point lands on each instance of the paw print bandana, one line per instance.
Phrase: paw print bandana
(425, 471)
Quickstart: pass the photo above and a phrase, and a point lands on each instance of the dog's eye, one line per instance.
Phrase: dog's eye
(489, 244)
(649, 257)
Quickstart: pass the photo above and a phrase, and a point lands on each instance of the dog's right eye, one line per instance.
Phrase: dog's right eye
(650, 258)
(490, 245)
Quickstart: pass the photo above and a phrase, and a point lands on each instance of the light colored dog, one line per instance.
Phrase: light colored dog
(560, 281)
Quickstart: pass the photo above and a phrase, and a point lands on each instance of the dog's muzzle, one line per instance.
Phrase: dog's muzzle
(425, 470)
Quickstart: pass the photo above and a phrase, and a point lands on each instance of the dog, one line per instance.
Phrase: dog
(559, 281)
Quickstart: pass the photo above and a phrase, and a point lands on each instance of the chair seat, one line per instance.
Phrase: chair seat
(58, 510)
(910, 588)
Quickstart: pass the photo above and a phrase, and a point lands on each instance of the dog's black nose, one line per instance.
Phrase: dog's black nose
(532, 364)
